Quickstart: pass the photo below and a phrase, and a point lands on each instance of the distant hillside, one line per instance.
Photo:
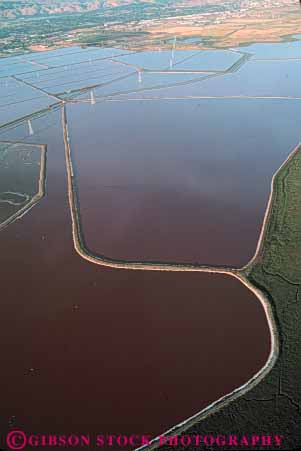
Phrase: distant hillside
(11, 9)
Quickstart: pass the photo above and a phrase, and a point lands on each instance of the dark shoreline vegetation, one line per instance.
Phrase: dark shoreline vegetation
(273, 406)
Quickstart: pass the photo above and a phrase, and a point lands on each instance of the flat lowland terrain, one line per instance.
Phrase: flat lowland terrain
(251, 25)
(41, 25)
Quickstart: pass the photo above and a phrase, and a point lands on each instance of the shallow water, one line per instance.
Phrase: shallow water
(170, 180)
(274, 50)
(255, 78)
(156, 182)
(111, 351)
